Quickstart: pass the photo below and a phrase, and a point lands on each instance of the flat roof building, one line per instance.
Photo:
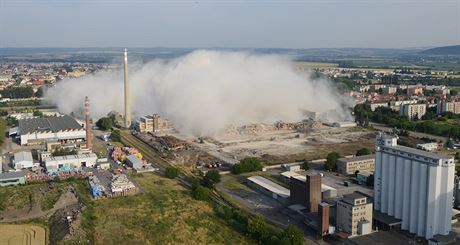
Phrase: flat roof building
(350, 165)
(12, 178)
(23, 159)
(354, 214)
(134, 162)
(70, 162)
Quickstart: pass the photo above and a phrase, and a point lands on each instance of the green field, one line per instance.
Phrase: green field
(164, 214)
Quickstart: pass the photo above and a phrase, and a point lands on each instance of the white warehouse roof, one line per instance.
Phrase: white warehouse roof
(270, 185)
(23, 156)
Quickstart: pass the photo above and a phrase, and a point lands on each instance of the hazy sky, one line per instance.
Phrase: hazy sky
(230, 23)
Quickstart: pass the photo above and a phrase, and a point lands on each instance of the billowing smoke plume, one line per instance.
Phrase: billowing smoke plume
(205, 92)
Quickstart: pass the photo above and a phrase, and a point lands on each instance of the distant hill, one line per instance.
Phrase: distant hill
(447, 50)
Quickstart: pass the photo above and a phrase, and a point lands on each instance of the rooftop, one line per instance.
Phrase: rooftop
(13, 175)
(47, 124)
(23, 156)
(418, 152)
(270, 185)
(68, 157)
(350, 198)
(357, 158)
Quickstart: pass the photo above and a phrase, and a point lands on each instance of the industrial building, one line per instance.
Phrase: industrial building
(412, 111)
(40, 130)
(269, 188)
(350, 165)
(134, 162)
(70, 162)
(12, 178)
(414, 186)
(153, 123)
(306, 193)
(23, 159)
(433, 146)
(354, 214)
(327, 192)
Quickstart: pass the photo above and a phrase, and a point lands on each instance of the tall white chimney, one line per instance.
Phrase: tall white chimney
(127, 97)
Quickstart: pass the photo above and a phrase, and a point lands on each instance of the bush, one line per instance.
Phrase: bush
(201, 193)
(211, 178)
(257, 228)
(171, 172)
(306, 165)
(248, 164)
(362, 152)
(292, 235)
(116, 136)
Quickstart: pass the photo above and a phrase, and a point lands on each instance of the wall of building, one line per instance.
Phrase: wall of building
(77, 134)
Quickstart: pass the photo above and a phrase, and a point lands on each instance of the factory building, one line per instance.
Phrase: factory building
(23, 159)
(12, 178)
(414, 186)
(323, 218)
(134, 162)
(354, 215)
(153, 123)
(269, 188)
(350, 165)
(327, 192)
(306, 193)
(433, 146)
(70, 162)
(39, 130)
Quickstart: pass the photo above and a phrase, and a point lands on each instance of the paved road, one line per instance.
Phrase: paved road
(386, 128)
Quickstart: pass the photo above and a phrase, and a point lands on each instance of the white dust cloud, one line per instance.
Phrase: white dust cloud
(205, 92)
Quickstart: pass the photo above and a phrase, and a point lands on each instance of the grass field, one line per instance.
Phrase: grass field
(164, 214)
(30, 195)
(22, 234)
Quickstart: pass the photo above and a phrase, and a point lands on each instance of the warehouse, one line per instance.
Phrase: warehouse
(270, 188)
(70, 162)
(134, 162)
(12, 178)
(60, 128)
(23, 159)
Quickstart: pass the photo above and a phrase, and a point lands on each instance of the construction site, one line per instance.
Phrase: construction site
(274, 143)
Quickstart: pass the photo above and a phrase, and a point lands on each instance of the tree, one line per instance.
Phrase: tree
(362, 152)
(201, 193)
(292, 235)
(116, 136)
(211, 178)
(257, 227)
(37, 113)
(171, 172)
(64, 152)
(248, 164)
(104, 123)
(331, 161)
(306, 165)
(39, 93)
(356, 173)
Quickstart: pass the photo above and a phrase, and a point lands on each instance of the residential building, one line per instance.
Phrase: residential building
(350, 165)
(390, 90)
(375, 105)
(416, 90)
(414, 186)
(306, 193)
(413, 111)
(23, 159)
(444, 106)
(354, 214)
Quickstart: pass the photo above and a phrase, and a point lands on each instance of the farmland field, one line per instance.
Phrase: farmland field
(22, 234)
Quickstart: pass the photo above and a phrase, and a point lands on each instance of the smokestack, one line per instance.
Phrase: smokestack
(127, 98)
(88, 130)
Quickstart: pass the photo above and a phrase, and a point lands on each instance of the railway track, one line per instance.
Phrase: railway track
(149, 154)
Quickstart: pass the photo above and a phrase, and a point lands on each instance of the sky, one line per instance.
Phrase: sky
(230, 23)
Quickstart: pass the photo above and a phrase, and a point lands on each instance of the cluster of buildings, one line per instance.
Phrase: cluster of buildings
(152, 123)
(413, 190)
